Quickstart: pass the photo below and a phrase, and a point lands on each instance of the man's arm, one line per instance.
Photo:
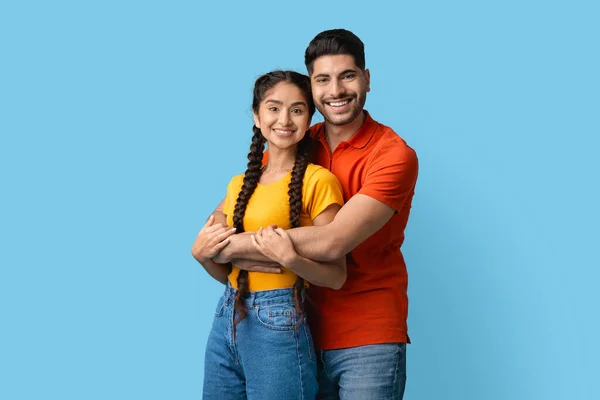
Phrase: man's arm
(358, 219)
(278, 246)
(389, 182)
(241, 247)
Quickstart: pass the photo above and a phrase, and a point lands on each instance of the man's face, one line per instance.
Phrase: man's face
(339, 88)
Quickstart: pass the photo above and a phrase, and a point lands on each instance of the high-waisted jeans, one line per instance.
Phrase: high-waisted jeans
(271, 356)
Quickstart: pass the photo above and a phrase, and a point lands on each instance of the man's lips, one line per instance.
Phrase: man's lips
(339, 104)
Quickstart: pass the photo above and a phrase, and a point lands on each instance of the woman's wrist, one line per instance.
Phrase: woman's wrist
(291, 261)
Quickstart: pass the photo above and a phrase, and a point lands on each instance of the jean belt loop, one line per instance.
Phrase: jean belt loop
(228, 292)
(251, 299)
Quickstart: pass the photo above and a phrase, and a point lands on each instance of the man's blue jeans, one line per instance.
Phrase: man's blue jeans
(271, 357)
(374, 372)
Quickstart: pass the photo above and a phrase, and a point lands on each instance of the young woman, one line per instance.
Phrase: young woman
(260, 345)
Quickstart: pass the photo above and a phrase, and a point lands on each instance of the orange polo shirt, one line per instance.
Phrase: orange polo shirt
(372, 306)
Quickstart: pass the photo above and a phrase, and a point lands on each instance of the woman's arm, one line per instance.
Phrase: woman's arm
(209, 242)
(277, 245)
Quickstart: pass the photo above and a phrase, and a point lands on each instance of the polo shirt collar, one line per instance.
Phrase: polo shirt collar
(361, 138)
(364, 134)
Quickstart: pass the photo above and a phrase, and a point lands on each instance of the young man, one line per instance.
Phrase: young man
(359, 330)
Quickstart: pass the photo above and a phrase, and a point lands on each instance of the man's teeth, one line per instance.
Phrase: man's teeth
(339, 103)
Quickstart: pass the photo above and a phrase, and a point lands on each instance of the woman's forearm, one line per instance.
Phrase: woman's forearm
(219, 272)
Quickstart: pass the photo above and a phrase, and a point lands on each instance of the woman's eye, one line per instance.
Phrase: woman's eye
(297, 111)
(272, 108)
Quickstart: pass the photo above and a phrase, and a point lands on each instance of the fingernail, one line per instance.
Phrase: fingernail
(233, 229)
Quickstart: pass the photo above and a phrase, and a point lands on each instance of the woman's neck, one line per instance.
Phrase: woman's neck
(280, 160)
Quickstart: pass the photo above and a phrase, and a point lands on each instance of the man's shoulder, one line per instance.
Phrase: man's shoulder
(389, 142)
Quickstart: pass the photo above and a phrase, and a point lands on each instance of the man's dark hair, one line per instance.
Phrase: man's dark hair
(332, 42)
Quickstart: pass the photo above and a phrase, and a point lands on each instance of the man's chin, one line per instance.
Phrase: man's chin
(340, 120)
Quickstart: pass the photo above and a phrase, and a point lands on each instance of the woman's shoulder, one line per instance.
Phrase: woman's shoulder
(236, 182)
(316, 172)
(319, 176)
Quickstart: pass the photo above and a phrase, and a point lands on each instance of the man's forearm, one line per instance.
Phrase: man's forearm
(358, 220)
(317, 243)
(240, 247)
(326, 274)
(313, 242)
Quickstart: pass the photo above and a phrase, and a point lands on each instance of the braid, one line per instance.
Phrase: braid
(295, 193)
(251, 178)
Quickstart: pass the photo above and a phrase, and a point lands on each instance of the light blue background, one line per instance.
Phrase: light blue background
(122, 122)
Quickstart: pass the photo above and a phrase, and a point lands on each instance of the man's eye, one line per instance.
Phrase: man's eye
(349, 76)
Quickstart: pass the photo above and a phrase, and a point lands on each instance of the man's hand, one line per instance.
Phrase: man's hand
(275, 244)
(211, 240)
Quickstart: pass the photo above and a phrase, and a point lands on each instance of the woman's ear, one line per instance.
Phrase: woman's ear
(256, 121)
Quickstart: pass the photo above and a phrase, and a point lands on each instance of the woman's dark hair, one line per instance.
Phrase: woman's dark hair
(332, 42)
(254, 171)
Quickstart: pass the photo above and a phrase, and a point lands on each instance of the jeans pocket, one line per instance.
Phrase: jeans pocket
(220, 307)
(279, 317)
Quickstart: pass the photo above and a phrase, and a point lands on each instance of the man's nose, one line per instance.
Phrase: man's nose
(336, 89)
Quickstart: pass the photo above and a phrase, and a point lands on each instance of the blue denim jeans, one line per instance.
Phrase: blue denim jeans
(271, 356)
(374, 372)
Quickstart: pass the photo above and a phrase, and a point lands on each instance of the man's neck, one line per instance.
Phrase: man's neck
(334, 134)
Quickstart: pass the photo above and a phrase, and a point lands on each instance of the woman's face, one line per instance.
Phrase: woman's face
(283, 116)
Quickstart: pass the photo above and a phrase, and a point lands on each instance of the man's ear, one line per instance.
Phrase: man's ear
(256, 121)
(368, 79)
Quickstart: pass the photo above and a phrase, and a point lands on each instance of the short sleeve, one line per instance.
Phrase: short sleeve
(233, 190)
(321, 190)
(391, 175)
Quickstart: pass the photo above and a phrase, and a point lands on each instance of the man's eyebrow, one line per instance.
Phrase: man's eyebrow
(341, 73)
(347, 70)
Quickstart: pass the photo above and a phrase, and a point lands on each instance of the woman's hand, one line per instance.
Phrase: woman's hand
(211, 240)
(276, 244)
